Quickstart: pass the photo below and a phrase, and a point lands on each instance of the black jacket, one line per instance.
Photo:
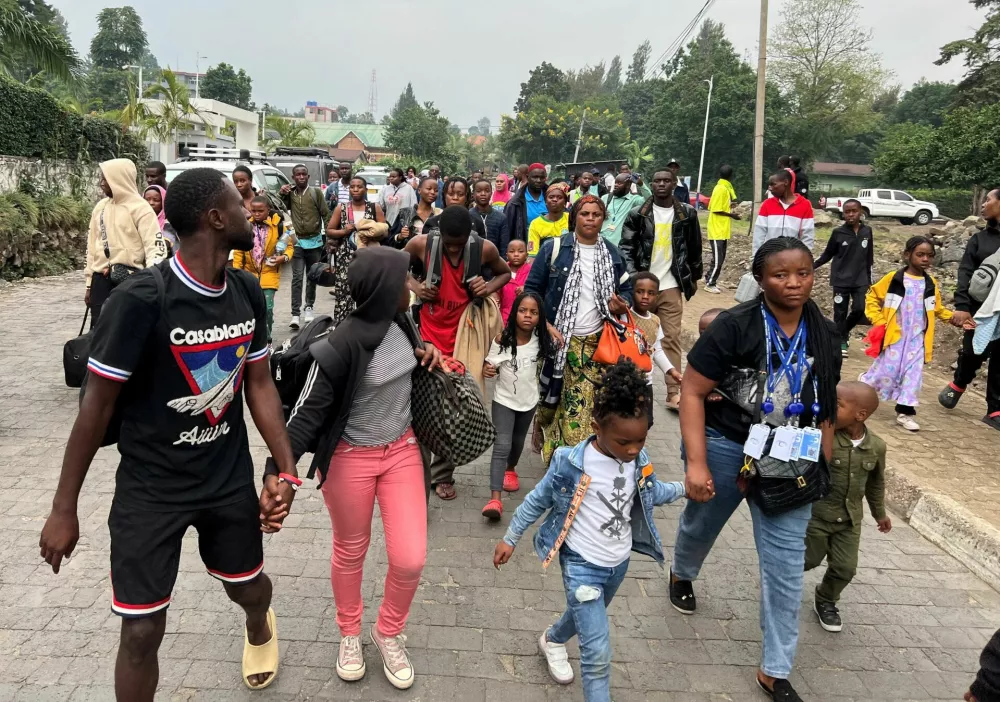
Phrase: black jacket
(516, 214)
(982, 244)
(853, 256)
(801, 182)
(986, 687)
(639, 231)
(495, 228)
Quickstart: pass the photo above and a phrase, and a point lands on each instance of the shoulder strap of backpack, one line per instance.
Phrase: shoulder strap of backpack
(473, 257)
(432, 254)
(323, 353)
(161, 288)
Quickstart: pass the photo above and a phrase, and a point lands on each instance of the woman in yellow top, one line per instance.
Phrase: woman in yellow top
(553, 223)
(905, 303)
(272, 246)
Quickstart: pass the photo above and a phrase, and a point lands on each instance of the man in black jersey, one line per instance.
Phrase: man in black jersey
(174, 352)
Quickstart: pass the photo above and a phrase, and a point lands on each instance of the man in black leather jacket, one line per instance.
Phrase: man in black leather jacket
(663, 236)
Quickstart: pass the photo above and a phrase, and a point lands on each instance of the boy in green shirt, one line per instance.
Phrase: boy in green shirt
(720, 224)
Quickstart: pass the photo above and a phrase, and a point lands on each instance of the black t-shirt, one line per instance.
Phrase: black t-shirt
(731, 352)
(183, 437)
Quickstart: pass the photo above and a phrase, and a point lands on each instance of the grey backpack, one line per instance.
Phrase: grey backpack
(982, 280)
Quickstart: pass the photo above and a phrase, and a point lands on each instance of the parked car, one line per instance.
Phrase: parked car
(317, 160)
(703, 201)
(376, 177)
(267, 179)
(888, 203)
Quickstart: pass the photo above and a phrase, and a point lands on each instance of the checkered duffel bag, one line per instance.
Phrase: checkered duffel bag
(449, 417)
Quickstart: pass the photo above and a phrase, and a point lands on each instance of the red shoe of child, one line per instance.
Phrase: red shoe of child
(493, 510)
(510, 481)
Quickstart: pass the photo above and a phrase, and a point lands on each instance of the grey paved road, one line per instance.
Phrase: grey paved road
(916, 619)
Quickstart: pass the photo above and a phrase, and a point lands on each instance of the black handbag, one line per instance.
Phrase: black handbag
(117, 273)
(780, 486)
(76, 353)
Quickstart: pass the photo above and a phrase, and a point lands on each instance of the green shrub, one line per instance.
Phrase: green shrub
(41, 235)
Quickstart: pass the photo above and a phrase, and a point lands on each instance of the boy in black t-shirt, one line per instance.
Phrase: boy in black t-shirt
(171, 356)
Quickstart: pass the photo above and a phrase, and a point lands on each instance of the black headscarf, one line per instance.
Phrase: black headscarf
(376, 278)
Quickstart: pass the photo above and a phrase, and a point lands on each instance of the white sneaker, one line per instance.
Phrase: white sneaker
(395, 660)
(350, 660)
(713, 289)
(555, 655)
(309, 314)
(294, 324)
(907, 422)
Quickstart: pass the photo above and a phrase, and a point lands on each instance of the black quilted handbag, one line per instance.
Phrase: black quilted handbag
(449, 417)
(76, 353)
(781, 486)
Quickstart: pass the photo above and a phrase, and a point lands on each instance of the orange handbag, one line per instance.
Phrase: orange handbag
(624, 339)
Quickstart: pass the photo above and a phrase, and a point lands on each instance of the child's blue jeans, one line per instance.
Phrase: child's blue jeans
(589, 591)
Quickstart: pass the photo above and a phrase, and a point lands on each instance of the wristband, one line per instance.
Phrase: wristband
(296, 483)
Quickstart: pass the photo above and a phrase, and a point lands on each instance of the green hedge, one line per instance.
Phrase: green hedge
(34, 124)
(956, 204)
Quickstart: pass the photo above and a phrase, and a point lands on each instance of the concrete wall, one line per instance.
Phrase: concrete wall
(66, 176)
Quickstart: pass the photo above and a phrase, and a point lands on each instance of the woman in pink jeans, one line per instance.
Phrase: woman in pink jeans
(354, 415)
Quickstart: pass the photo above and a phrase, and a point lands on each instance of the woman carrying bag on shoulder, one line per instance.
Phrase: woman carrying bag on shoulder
(354, 416)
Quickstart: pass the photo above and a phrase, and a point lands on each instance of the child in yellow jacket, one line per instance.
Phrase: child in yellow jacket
(272, 247)
(905, 304)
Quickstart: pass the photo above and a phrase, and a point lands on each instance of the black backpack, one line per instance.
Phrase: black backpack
(473, 257)
(290, 364)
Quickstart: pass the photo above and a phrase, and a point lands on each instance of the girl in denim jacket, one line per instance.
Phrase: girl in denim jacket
(599, 496)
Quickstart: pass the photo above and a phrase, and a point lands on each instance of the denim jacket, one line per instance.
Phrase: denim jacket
(548, 279)
(561, 492)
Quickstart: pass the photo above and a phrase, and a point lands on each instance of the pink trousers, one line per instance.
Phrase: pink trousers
(357, 476)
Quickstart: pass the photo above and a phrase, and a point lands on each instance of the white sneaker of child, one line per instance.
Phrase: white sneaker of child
(907, 422)
(555, 655)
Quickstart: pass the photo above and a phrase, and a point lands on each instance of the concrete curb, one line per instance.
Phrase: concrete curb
(943, 521)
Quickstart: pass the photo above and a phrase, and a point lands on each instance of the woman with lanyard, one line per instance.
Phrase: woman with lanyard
(342, 241)
(582, 288)
(782, 334)
(396, 197)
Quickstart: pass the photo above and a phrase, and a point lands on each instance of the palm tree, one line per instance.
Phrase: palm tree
(637, 155)
(291, 132)
(174, 110)
(23, 38)
(135, 114)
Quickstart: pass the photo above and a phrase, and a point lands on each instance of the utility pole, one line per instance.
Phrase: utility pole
(758, 130)
(197, 74)
(704, 139)
(579, 138)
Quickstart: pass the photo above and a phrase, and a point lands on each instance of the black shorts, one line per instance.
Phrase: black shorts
(146, 550)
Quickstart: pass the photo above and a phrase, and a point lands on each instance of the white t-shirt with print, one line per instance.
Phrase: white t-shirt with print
(588, 317)
(517, 383)
(663, 250)
(602, 530)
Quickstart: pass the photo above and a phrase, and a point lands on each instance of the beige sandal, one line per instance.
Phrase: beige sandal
(258, 660)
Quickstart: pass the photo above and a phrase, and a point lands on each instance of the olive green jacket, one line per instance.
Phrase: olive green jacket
(854, 473)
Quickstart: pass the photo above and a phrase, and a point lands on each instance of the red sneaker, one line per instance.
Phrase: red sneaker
(493, 510)
(510, 481)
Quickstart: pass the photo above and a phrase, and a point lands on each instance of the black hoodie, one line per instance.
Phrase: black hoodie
(853, 256)
(981, 246)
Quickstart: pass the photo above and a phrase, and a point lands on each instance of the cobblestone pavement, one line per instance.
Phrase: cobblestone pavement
(916, 619)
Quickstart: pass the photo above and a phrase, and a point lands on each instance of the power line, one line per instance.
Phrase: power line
(678, 42)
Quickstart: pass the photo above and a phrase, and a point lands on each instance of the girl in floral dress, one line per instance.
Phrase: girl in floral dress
(903, 307)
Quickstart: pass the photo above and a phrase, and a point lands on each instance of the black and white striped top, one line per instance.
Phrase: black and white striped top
(380, 413)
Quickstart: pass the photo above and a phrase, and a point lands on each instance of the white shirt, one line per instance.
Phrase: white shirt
(857, 442)
(663, 250)
(588, 317)
(516, 384)
(660, 359)
(602, 531)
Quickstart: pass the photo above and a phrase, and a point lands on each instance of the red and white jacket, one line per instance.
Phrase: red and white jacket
(776, 219)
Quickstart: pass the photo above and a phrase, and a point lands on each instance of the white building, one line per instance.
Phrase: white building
(207, 133)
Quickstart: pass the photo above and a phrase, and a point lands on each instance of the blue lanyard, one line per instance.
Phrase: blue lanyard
(793, 364)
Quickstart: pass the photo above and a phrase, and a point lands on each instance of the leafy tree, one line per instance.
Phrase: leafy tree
(342, 113)
(824, 63)
(174, 112)
(981, 54)
(637, 156)
(223, 83)
(290, 132)
(548, 130)
(586, 83)
(406, 100)
(454, 129)
(120, 42)
(32, 38)
(360, 118)
(640, 59)
(419, 131)
(544, 79)
(483, 125)
(613, 78)
(925, 103)
(905, 156)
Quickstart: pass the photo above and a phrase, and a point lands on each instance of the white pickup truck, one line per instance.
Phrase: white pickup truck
(888, 203)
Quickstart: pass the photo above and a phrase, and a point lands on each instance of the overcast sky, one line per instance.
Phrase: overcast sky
(325, 51)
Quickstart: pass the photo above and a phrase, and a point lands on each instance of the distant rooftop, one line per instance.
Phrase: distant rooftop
(371, 135)
(857, 170)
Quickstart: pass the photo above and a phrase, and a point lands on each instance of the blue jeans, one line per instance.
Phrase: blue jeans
(781, 549)
(589, 591)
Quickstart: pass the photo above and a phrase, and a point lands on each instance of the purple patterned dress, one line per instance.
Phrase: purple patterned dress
(898, 372)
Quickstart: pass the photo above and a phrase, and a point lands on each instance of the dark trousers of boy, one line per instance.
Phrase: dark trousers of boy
(848, 310)
(512, 426)
(838, 542)
(969, 364)
(100, 290)
(718, 247)
(302, 261)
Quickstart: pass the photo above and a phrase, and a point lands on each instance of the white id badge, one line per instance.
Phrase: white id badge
(812, 442)
(754, 447)
(784, 441)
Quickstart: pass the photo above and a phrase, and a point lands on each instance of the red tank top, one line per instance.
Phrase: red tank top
(439, 319)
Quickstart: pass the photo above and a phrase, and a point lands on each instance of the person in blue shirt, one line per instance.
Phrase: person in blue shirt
(681, 191)
(435, 172)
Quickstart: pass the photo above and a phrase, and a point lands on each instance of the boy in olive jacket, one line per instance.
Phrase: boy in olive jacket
(857, 470)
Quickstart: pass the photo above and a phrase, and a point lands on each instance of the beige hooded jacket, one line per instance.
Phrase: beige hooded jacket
(133, 231)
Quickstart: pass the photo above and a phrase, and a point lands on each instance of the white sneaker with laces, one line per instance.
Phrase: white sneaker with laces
(713, 289)
(350, 660)
(555, 655)
(395, 660)
(309, 316)
(907, 422)
(294, 324)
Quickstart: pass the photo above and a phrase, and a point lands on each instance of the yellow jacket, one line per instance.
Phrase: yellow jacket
(276, 244)
(884, 298)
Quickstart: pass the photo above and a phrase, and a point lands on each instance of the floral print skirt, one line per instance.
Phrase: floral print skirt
(569, 424)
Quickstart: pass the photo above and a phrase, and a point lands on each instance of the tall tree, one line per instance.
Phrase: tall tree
(824, 63)
(981, 54)
(613, 78)
(223, 83)
(544, 79)
(406, 101)
(342, 113)
(484, 126)
(120, 41)
(586, 83)
(360, 118)
(906, 156)
(174, 111)
(419, 132)
(34, 39)
(640, 60)
(925, 103)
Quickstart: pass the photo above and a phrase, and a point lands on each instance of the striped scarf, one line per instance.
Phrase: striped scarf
(604, 289)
